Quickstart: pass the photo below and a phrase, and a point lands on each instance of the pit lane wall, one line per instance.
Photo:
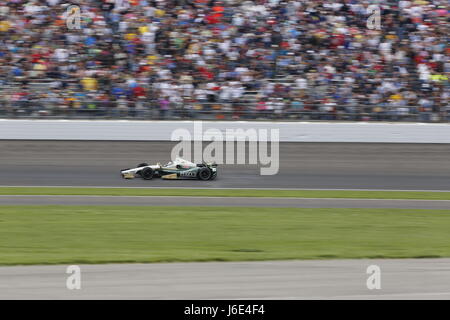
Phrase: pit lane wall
(122, 130)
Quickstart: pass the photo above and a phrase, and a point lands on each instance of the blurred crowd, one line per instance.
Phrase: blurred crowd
(273, 59)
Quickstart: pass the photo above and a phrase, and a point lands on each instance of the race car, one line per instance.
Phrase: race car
(175, 170)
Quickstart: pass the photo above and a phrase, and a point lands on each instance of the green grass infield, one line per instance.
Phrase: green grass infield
(119, 234)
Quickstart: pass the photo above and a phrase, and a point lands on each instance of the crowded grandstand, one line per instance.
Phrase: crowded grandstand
(206, 59)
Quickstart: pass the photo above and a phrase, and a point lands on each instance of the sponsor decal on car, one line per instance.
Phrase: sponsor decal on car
(128, 175)
(188, 173)
(172, 176)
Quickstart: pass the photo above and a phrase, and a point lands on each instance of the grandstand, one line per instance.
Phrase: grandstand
(295, 60)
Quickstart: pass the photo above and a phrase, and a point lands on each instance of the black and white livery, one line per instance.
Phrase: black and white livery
(179, 169)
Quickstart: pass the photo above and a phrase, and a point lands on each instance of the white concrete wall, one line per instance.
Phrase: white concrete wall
(162, 130)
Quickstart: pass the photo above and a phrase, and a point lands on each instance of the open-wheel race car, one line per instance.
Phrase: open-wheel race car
(178, 169)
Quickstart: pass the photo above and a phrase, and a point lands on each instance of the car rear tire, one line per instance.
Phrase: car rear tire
(147, 173)
(204, 174)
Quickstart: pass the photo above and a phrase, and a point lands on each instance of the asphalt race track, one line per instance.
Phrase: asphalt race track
(302, 165)
(327, 279)
(225, 202)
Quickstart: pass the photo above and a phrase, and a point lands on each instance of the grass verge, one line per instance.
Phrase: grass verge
(90, 234)
(423, 195)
